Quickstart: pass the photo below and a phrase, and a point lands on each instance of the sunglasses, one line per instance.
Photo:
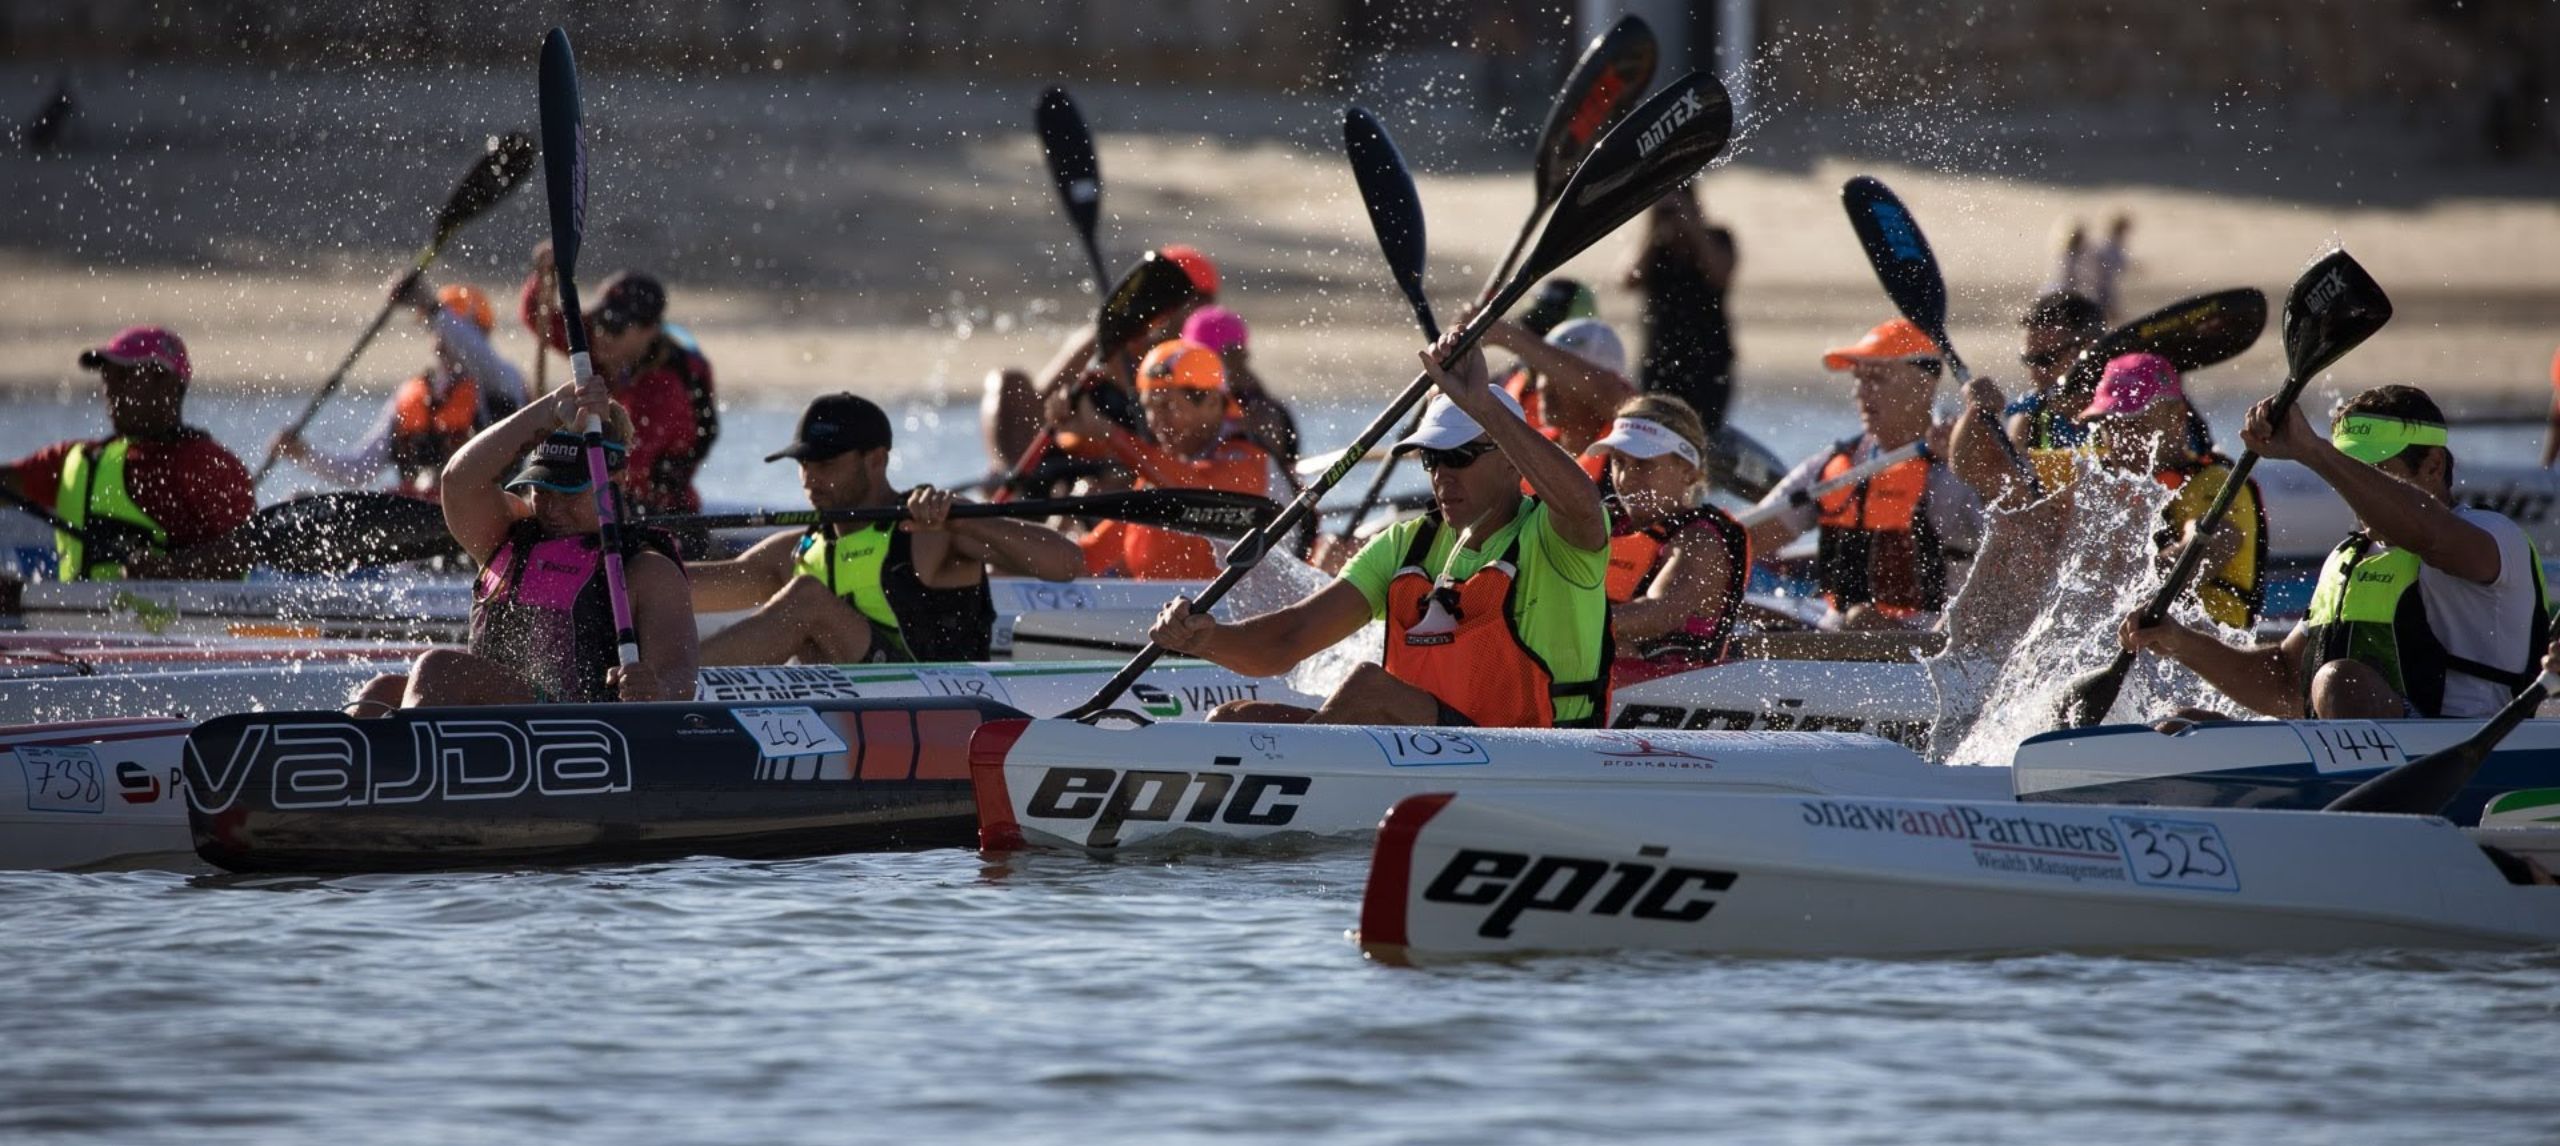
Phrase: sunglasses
(612, 322)
(2044, 360)
(1193, 396)
(1435, 461)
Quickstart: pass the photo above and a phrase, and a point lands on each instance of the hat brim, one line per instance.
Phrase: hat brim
(809, 452)
(545, 477)
(95, 359)
(1437, 438)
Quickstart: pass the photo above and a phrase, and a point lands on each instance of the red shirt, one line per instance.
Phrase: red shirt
(660, 402)
(193, 487)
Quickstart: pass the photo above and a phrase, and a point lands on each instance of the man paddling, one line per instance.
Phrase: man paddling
(665, 383)
(2056, 328)
(158, 494)
(1200, 443)
(843, 594)
(2428, 609)
(1889, 545)
(1495, 604)
(465, 389)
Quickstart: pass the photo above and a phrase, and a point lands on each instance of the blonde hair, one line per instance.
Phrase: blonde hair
(1676, 416)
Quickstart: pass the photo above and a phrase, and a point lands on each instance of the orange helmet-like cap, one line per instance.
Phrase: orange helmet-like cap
(1182, 365)
(469, 302)
(2555, 370)
(1204, 274)
(1897, 340)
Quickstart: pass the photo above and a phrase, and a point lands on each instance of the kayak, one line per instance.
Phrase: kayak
(2296, 764)
(1484, 872)
(1059, 783)
(99, 793)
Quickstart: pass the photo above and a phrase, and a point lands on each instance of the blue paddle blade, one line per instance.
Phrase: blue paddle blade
(1899, 253)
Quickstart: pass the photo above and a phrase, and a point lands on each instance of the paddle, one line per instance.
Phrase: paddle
(1665, 142)
(344, 531)
(2334, 306)
(1604, 85)
(1822, 489)
(564, 168)
(1208, 512)
(1151, 290)
(2191, 333)
(1909, 273)
(496, 172)
(1395, 214)
(2422, 787)
(27, 506)
(1067, 147)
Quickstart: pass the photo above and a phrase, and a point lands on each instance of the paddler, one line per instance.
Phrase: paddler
(465, 389)
(2139, 419)
(2429, 609)
(1200, 443)
(881, 591)
(665, 382)
(158, 494)
(1266, 418)
(2056, 328)
(1495, 603)
(542, 627)
(1677, 566)
(1891, 545)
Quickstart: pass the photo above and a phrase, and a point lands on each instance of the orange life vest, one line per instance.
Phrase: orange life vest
(1877, 546)
(1468, 654)
(1635, 558)
(425, 431)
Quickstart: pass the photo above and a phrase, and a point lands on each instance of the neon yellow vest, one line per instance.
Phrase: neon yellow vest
(850, 567)
(2366, 608)
(95, 492)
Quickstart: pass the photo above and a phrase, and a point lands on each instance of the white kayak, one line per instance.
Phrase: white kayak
(1059, 783)
(1487, 872)
(107, 792)
(2294, 764)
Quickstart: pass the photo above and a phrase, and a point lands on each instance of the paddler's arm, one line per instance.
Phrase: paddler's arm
(670, 653)
(1692, 584)
(1578, 393)
(2395, 512)
(1270, 644)
(1022, 548)
(1573, 502)
(744, 581)
(2265, 679)
(1976, 451)
(477, 509)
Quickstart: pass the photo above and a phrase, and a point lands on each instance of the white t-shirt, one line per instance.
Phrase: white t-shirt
(2488, 623)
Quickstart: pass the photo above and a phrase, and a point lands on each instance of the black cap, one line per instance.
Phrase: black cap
(836, 424)
(631, 298)
(559, 463)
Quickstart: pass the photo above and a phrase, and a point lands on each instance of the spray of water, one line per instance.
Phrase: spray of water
(1281, 579)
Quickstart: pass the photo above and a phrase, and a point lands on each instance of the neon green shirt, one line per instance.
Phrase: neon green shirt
(1559, 604)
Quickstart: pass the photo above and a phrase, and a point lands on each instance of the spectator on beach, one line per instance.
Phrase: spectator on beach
(1683, 266)
(2090, 269)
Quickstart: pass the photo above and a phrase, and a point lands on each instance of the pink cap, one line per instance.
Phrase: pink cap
(141, 346)
(1215, 327)
(2131, 383)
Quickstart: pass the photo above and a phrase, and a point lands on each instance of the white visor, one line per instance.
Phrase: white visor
(1646, 438)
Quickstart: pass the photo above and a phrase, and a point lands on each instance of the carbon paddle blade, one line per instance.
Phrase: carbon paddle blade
(1662, 144)
(2191, 333)
(1067, 146)
(498, 171)
(340, 532)
(1395, 208)
(564, 174)
(2422, 787)
(2331, 309)
(1602, 88)
(2092, 694)
(1150, 290)
(1899, 253)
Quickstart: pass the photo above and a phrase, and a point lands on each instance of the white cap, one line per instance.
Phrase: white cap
(1446, 427)
(1593, 341)
(1646, 438)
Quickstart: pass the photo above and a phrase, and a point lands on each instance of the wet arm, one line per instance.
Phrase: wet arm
(477, 510)
(1277, 641)
(1693, 583)
(743, 581)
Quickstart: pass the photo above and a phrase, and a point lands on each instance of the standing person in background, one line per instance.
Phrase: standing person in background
(465, 389)
(2057, 327)
(1198, 444)
(2090, 269)
(159, 490)
(675, 415)
(2551, 432)
(1683, 265)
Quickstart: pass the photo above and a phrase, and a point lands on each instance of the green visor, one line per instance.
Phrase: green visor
(2374, 440)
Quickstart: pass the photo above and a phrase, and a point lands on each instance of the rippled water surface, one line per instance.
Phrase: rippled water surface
(942, 997)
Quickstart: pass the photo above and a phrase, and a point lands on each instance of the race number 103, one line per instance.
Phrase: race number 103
(1422, 747)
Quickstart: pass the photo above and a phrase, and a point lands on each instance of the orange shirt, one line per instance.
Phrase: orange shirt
(1235, 464)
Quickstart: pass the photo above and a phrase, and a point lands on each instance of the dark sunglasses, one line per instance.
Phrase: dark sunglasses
(1457, 459)
(2046, 359)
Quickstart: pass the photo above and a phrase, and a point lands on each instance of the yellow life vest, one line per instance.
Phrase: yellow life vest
(93, 493)
(852, 567)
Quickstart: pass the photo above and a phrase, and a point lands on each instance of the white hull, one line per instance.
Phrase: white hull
(1491, 873)
(2297, 764)
(1063, 784)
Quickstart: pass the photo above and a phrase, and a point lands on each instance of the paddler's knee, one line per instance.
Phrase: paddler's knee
(1259, 712)
(378, 697)
(2352, 690)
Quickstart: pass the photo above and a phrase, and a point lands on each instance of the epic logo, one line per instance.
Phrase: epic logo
(1475, 877)
(1111, 798)
(330, 765)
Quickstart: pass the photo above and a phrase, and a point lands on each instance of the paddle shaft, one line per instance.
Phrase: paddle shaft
(1153, 507)
(338, 377)
(1819, 490)
(30, 508)
(2425, 785)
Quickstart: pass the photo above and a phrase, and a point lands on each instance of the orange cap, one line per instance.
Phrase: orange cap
(1204, 274)
(1895, 340)
(1182, 365)
(2555, 370)
(471, 303)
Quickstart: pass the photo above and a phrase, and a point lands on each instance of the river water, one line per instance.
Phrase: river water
(942, 996)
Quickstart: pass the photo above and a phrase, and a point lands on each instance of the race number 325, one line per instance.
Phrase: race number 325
(2177, 853)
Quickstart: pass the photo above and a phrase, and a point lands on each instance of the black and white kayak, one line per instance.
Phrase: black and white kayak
(1486, 872)
(1058, 783)
(2294, 764)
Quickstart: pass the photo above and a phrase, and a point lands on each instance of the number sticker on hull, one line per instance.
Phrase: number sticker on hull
(2177, 853)
(787, 732)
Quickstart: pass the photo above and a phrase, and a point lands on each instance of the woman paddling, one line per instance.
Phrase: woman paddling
(541, 620)
(1676, 567)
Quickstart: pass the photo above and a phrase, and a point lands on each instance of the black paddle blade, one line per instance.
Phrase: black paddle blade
(564, 171)
(2422, 787)
(1661, 145)
(2331, 309)
(1899, 253)
(341, 532)
(1208, 512)
(1602, 88)
(1067, 146)
(2091, 694)
(1150, 290)
(1395, 208)
(2191, 333)
(498, 171)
